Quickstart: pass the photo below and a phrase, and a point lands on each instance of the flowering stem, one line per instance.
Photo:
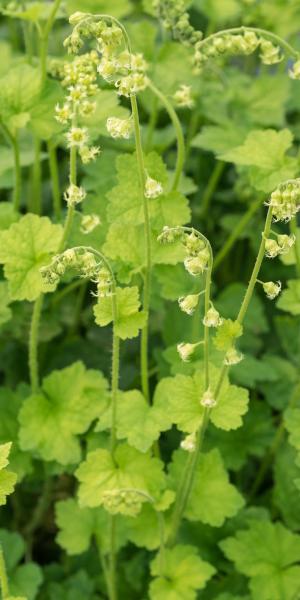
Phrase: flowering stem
(3, 576)
(211, 187)
(112, 558)
(253, 208)
(36, 178)
(33, 343)
(294, 231)
(53, 166)
(147, 277)
(44, 40)
(179, 135)
(268, 34)
(250, 290)
(189, 472)
(13, 140)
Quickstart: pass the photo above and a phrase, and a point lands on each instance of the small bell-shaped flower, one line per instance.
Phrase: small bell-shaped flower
(212, 318)
(272, 289)
(208, 400)
(186, 350)
(189, 443)
(233, 357)
(189, 303)
(153, 188)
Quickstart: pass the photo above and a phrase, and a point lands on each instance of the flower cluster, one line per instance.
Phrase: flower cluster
(228, 44)
(79, 77)
(174, 18)
(119, 128)
(281, 245)
(85, 263)
(285, 200)
(127, 502)
(198, 254)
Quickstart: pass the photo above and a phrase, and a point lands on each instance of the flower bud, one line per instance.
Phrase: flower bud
(189, 443)
(186, 351)
(76, 17)
(269, 54)
(89, 223)
(233, 357)
(153, 188)
(272, 289)
(87, 154)
(188, 304)
(272, 249)
(294, 72)
(208, 400)
(195, 265)
(74, 195)
(286, 242)
(212, 318)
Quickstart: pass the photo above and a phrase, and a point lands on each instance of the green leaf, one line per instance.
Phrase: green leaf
(119, 8)
(24, 248)
(126, 201)
(7, 478)
(24, 579)
(252, 439)
(181, 397)
(129, 318)
(228, 303)
(10, 404)
(128, 245)
(137, 422)
(286, 494)
(19, 91)
(219, 139)
(213, 499)
(184, 572)
(5, 311)
(65, 407)
(292, 425)
(34, 12)
(227, 333)
(271, 565)
(78, 525)
(42, 121)
(129, 469)
(263, 151)
(289, 299)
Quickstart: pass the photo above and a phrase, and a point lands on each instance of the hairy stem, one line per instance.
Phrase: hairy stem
(296, 248)
(147, 275)
(53, 167)
(236, 232)
(14, 141)
(33, 344)
(44, 41)
(179, 135)
(3, 576)
(35, 204)
(211, 187)
(188, 476)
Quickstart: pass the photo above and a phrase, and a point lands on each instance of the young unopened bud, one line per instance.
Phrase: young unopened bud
(168, 235)
(69, 257)
(76, 17)
(212, 318)
(272, 289)
(186, 351)
(208, 400)
(153, 188)
(193, 244)
(188, 304)
(233, 357)
(189, 443)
